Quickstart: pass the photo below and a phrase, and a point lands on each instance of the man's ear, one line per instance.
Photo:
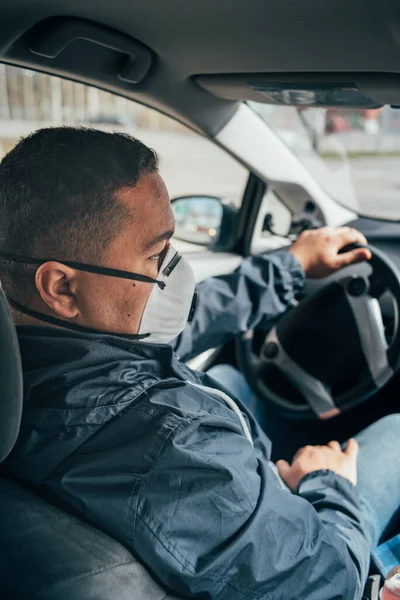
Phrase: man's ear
(53, 282)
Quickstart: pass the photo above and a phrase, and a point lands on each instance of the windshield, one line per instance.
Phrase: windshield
(354, 154)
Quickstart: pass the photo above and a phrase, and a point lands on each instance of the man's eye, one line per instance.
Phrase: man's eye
(159, 257)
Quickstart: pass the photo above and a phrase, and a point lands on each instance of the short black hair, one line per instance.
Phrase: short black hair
(58, 197)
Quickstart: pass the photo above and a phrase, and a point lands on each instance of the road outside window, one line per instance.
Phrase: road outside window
(354, 154)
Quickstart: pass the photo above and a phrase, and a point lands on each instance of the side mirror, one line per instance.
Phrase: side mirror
(198, 219)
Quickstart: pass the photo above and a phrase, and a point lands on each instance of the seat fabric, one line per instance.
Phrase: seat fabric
(46, 553)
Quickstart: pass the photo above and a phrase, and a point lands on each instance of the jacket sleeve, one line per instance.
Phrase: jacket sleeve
(223, 530)
(254, 295)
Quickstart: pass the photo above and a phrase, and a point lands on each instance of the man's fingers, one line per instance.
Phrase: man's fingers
(352, 448)
(353, 257)
(299, 452)
(347, 235)
(283, 468)
(334, 445)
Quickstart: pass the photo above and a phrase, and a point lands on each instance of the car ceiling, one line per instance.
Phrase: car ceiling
(191, 38)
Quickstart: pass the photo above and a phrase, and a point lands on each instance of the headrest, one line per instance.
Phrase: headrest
(10, 380)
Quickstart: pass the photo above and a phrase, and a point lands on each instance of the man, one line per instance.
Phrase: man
(159, 456)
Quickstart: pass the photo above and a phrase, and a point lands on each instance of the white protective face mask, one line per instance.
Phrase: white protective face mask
(171, 306)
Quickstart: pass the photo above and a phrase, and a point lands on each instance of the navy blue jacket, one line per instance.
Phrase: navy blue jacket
(112, 427)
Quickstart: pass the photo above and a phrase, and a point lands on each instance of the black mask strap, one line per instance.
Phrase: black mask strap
(67, 325)
(83, 267)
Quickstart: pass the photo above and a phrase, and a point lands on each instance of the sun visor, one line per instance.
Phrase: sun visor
(346, 90)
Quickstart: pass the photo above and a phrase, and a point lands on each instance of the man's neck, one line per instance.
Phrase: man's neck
(21, 319)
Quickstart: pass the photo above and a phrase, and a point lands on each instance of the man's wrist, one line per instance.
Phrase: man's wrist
(324, 473)
(301, 259)
(290, 262)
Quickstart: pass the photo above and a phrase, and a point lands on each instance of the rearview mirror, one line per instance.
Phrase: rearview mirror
(198, 219)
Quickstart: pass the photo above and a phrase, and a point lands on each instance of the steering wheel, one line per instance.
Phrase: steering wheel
(330, 352)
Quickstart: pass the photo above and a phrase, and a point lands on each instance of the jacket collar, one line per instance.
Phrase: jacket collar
(63, 341)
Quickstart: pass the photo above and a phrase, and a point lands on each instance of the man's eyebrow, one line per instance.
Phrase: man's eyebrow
(158, 239)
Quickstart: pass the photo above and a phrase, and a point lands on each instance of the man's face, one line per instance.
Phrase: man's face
(108, 303)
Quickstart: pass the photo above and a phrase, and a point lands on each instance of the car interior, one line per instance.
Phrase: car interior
(204, 64)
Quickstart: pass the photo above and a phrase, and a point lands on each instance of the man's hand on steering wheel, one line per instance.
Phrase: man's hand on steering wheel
(317, 250)
(333, 349)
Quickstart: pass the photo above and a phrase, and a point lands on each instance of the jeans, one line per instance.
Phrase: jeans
(378, 463)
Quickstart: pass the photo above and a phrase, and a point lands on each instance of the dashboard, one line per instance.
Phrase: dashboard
(385, 235)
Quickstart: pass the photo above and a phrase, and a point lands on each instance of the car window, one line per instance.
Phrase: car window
(273, 224)
(191, 165)
(353, 153)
